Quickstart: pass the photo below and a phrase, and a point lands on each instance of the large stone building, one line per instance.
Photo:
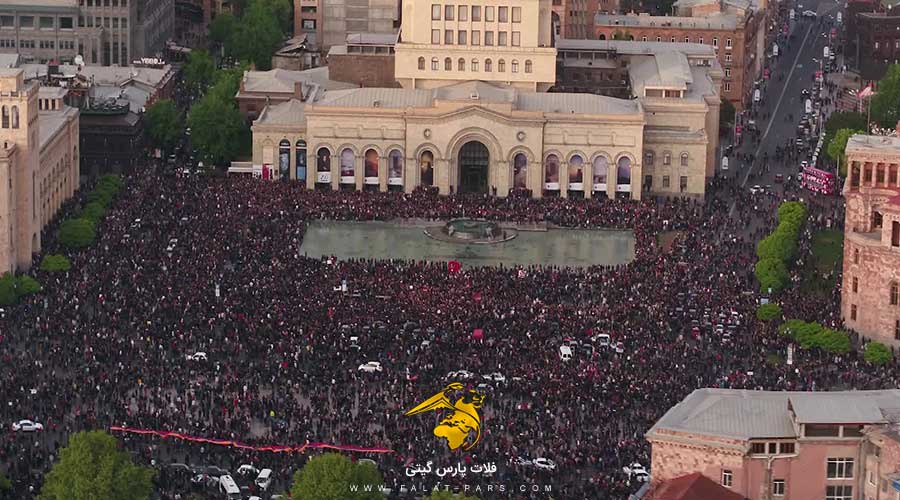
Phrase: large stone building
(870, 295)
(769, 445)
(101, 31)
(38, 164)
(736, 29)
(473, 116)
(876, 42)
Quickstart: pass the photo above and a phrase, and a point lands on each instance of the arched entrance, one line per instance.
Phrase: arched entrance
(473, 168)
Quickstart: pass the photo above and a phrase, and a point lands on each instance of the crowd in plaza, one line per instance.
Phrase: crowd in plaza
(187, 265)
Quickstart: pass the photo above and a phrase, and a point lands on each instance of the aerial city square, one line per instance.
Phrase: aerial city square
(449, 249)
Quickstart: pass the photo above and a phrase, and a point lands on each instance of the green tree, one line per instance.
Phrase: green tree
(838, 145)
(8, 295)
(5, 486)
(92, 467)
(833, 341)
(94, 212)
(330, 477)
(726, 113)
(77, 233)
(843, 119)
(446, 495)
(217, 130)
(227, 82)
(877, 353)
(283, 10)
(885, 105)
(164, 124)
(808, 334)
(790, 327)
(257, 36)
(199, 69)
(771, 274)
(55, 263)
(26, 285)
(768, 312)
(779, 245)
(222, 27)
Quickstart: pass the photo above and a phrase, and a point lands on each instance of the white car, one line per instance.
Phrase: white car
(603, 339)
(544, 463)
(757, 189)
(637, 471)
(197, 356)
(27, 426)
(461, 374)
(248, 470)
(371, 367)
(522, 461)
(809, 13)
(494, 377)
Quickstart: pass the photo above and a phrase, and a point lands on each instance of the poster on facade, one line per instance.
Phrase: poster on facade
(623, 175)
(426, 168)
(520, 171)
(370, 168)
(600, 173)
(323, 166)
(551, 173)
(347, 167)
(576, 173)
(395, 168)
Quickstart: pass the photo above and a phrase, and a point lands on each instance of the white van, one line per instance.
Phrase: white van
(565, 353)
(229, 488)
(264, 479)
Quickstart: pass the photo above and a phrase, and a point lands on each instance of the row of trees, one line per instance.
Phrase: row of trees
(810, 335)
(93, 466)
(254, 31)
(777, 251)
(81, 231)
(13, 288)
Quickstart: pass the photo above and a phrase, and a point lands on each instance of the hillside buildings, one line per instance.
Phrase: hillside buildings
(870, 295)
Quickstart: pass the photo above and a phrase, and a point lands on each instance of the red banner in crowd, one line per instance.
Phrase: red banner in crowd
(243, 446)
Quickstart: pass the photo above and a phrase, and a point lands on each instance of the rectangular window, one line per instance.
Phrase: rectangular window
(895, 234)
(516, 38)
(853, 312)
(643, 38)
(462, 13)
(448, 12)
(840, 468)
(682, 183)
(778, 487)
(897, 330)
(310, 24)
(728, 43)
(7, 22)
(667, 159)
(727, 86)
(448, 37)
(461, 37)
(758, 448)
(517, 14)
(489, 38)
(476, 13)
(47, 23)
(715, 42)
(843, 492)
(488, 14)
(476, 38)
(648, 182)
(727, 478)
(786, 448)
(501, 39)
(435, 12)
(26, 21)
(66, 23)
(819, 430)
(855, 284)
(436, 36)
(728, 58)
(773, 448)
(727, 72)
(665, 181)
(503, 14)
(648, 158)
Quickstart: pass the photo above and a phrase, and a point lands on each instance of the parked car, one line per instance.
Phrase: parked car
(371, 367)
(494, 377)
(197, 356)
(544, 464)
(461, 374)
(27, 426)
(637, 471)
(247, 470)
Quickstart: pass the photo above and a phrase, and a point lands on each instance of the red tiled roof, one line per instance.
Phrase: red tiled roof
(694, 486)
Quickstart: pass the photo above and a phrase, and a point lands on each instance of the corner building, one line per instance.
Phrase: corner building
(870, 293)
(474, 115)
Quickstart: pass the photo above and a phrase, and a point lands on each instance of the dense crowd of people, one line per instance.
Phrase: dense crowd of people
(216, 266)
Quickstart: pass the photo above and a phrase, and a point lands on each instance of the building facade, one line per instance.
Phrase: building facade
(877, 42)
(335, 19)
(870, 293)
(38, 164)
(768, 445)
(476, 119)
(308, 21)
(44, 30)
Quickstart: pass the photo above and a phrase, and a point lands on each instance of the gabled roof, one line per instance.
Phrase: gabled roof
(694, 486)
(292, 112)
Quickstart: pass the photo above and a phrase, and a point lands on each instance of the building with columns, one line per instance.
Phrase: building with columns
(38, 164)
(870, 294)
(473, 115)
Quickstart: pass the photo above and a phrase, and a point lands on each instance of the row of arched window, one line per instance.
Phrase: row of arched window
(9, 117)
(474, 65)
(347, 159)
(599, 170)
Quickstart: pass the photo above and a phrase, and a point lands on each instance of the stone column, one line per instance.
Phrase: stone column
(383, 165)
(410, 175)
(587, 176)
(336, 171)
(535, 179)
(441, 175)
(359, 166)
(312, 169)
(563, 179)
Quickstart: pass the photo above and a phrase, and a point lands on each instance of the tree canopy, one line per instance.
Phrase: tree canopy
(768, 312)
(885, 105)
(164, 124)
(92, 467)
(332, 476)
(838, 145)
(256, 33)
(199, 69)
(877, 353)
(217, 129)
(726, 113)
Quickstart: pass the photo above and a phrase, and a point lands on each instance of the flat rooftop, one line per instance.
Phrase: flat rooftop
(716, 22)
(869, 144)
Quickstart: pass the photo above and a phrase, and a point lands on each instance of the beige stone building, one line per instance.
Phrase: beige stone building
(474, 117)
(870, 294)
(38, 164)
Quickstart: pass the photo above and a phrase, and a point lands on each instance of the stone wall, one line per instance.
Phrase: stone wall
(362, 69)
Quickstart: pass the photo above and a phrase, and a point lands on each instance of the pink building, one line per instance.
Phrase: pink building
(772, 445)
